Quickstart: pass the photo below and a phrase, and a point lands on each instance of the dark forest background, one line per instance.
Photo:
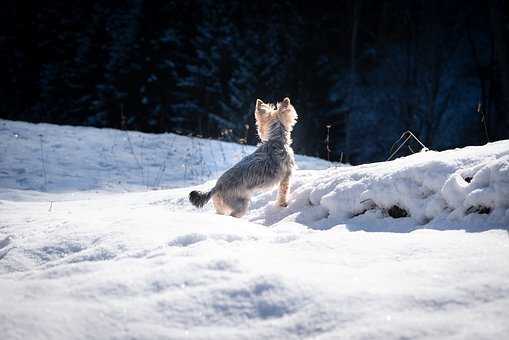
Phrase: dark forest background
(358, 72)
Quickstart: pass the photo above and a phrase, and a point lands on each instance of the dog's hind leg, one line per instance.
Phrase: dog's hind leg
(221, 207)
(282, 195)
(239, 206)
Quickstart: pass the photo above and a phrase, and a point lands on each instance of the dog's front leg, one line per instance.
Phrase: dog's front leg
(282, 196)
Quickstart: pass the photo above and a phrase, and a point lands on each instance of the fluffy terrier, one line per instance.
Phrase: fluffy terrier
(272, 163)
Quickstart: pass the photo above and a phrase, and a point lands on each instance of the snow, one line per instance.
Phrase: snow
(95, 251)
(73, 159)
(430, 186)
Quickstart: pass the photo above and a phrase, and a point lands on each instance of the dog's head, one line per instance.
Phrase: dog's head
(267, 114)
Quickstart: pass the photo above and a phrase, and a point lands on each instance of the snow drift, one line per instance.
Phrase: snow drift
(465, 189)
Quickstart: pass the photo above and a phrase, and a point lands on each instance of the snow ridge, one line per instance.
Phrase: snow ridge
(461, 189)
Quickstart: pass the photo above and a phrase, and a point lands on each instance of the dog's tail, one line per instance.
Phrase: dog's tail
(199, 198)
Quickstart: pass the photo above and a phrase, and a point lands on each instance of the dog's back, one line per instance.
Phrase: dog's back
(270, 164)
(262, 169)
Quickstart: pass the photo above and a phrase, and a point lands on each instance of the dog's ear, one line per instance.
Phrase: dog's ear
(260, 106)
(262, 117)
(285, 103)
(287, 114)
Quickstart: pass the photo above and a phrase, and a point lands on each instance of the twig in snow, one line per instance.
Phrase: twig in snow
(243, 141)
(213, 155)
(162, 168)
(482, 111)
(408, 135)
(131, 149)
(43, 163)
(327, 140)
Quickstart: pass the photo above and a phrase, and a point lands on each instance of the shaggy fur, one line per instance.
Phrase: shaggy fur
(271, 164)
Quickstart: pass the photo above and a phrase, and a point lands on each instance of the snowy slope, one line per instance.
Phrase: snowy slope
(44, 157)
(83, 259)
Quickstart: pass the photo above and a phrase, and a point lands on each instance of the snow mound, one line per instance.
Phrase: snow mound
(465, 189)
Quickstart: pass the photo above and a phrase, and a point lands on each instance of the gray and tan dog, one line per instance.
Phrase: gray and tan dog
(272, 163)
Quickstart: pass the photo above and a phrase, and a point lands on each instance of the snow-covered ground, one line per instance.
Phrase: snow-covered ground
(89, 248)
(46, 158)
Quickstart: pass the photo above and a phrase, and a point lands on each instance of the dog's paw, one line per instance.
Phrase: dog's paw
(282, 204)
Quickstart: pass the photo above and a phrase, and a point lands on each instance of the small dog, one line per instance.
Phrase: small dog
(272, 163)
